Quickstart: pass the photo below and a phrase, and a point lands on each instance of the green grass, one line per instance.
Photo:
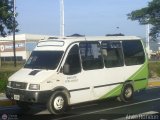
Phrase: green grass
(6, 70)
(9, 66)
(154, 69)
(3, 79)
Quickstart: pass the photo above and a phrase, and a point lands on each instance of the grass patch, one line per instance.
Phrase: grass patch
(9, 66)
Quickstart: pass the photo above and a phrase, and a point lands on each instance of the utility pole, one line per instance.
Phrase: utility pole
(14, 30)
(62, 18)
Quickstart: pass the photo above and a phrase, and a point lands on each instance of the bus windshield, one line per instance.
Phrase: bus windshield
(44, 60)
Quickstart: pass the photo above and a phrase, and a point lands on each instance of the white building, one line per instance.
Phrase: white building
(25, 43)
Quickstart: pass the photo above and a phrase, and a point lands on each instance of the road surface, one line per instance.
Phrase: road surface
(145, 105)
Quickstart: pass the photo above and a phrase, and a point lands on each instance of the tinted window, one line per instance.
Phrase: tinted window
(112, 54)
(91, 55)
(133, 52)
(44, 60)
(73, 61)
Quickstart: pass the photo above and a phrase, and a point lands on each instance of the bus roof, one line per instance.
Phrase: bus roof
(58, 43)
(94, 38)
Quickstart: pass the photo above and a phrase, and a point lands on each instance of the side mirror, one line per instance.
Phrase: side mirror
(66, 69)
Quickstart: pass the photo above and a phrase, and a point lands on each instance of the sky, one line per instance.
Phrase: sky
(85, 17)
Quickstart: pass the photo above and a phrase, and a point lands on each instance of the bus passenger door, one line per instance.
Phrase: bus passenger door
(72, 78)
(92, 64)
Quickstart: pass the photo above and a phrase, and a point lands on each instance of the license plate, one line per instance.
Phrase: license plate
(16, 97)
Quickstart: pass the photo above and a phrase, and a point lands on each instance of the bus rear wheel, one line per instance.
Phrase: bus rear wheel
(57, 103)
(127, 93)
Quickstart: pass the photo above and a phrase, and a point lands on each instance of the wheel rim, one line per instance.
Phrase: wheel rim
(58, 103)
(128, 92)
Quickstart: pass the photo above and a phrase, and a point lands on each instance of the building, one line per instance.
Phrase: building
(25, 43)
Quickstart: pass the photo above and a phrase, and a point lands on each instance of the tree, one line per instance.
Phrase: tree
(7, 17)
(149, 15)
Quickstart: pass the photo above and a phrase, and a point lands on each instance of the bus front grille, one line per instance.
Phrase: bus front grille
(18, 85)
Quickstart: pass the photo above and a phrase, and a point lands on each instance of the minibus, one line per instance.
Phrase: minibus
(64, 71)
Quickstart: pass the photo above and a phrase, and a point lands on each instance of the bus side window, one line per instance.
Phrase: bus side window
(112, 54)
(72, 64)
(91, 55)
(133, 52)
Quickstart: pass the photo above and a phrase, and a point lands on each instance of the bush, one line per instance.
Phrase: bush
(154, 69)
(3, 84)
(6, 70)
(3, 79)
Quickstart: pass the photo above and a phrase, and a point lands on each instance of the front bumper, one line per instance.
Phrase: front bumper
(28, 96)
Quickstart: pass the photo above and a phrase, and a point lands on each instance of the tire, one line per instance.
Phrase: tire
(57, 103)
(23, 105)
(127, 93)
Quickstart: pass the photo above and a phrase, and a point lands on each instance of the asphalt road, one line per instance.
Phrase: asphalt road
(145, 105)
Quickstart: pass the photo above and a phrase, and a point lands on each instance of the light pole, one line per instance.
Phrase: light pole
(14, 29)
(62, 18)
(148, 39)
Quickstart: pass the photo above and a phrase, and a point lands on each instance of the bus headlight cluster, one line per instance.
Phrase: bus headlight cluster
(9, 83)
(34, 87)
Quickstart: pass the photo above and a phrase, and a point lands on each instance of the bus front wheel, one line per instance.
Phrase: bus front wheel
(127, 93)
(57, 103)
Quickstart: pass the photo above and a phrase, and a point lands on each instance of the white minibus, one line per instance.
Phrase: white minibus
(61, 72)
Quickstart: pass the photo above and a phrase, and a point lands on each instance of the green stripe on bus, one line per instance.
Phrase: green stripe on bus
(142, 72)
(114, 92)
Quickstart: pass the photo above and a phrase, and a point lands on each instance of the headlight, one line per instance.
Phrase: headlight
(9, 83)
(34, 87)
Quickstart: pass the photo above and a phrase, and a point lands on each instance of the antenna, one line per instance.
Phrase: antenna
(62, 18)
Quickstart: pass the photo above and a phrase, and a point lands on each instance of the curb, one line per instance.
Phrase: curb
(7, 102)
(154, 84)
